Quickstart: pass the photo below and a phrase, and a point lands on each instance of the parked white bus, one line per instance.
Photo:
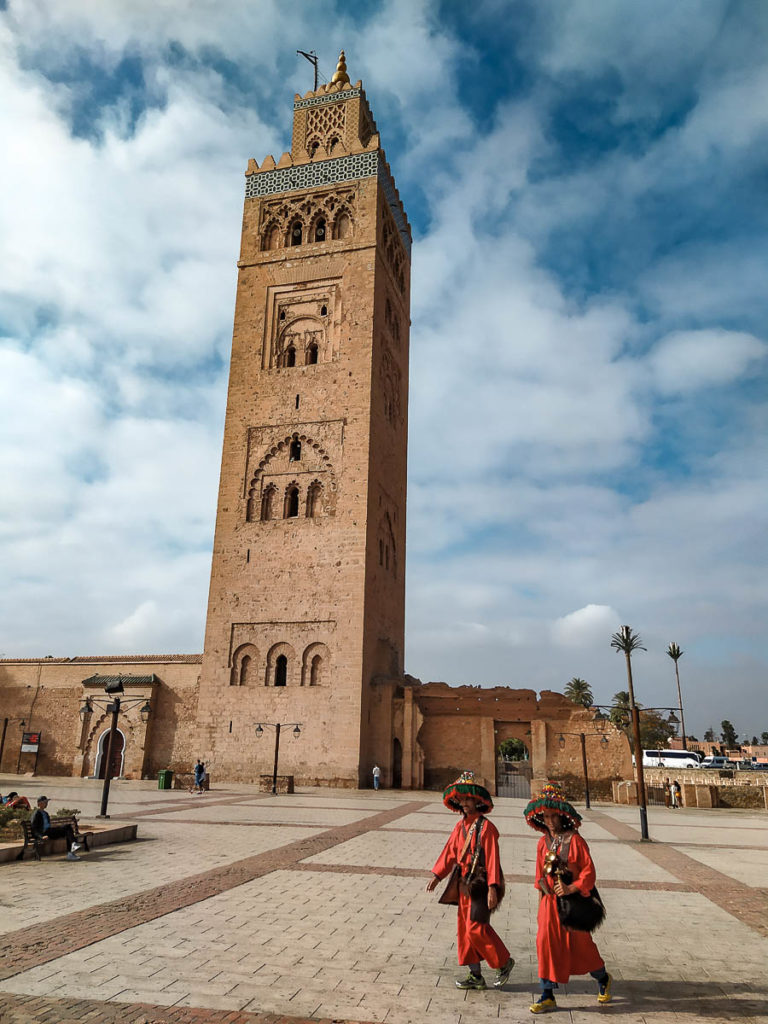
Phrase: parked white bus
(670, 759)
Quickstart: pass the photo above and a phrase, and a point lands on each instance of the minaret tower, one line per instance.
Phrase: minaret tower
(306, 603)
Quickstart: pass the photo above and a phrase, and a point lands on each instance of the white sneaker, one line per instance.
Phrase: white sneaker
(76, 847)
(72, 856)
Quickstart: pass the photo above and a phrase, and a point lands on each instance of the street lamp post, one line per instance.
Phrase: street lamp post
(583, 743)
(114, 706)
(277, 726)
(641, 793)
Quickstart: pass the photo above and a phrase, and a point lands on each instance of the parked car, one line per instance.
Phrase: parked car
(714, 761)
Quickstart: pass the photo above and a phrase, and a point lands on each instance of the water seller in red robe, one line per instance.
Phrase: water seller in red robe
(562, 951)
(473, 847)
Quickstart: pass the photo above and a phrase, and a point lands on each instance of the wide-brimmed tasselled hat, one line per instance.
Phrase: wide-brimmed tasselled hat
(553, 798)
(465, 785)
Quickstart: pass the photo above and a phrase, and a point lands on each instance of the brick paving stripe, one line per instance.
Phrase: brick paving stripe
(39, 944)
(744, 902)
(17, 1009)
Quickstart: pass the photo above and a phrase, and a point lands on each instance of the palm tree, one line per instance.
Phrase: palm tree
(626, 642)
(579, 691)
(619, 713)
(676, 654)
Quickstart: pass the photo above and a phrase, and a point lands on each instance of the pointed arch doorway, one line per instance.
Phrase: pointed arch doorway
(116, 761)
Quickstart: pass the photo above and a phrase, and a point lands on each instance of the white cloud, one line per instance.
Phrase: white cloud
(688, 360)
(586, 626)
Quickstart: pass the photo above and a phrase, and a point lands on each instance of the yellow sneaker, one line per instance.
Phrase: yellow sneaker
(543, 1005)
(604, 993)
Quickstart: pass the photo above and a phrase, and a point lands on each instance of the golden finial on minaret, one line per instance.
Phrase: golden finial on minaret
(340, 75)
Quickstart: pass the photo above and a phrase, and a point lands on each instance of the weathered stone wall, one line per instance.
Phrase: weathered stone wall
(49, 693)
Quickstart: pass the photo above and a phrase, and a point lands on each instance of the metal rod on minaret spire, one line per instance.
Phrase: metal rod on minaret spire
(312, 58)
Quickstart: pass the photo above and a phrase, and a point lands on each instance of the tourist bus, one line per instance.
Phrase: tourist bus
(670, 759)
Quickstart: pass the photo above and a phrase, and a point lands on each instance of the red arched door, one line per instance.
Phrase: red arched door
(116, 761)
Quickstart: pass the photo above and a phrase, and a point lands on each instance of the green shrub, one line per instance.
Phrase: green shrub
(66, 812)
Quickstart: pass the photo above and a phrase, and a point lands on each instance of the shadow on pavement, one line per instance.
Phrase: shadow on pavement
(721, 1000)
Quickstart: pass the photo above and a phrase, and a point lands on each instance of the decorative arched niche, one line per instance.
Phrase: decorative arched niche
(315, 665)
(302, 341)
(343, 226)
(245, 666)
(294, 479)
(272, 237)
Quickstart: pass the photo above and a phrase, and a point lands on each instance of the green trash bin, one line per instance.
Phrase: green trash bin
(165, 778)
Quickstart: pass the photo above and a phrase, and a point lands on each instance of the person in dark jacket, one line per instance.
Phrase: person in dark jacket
(42, 828)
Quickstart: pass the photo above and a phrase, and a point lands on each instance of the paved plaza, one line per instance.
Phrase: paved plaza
(242, 907)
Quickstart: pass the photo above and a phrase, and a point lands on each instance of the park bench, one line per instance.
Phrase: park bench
(38, 842)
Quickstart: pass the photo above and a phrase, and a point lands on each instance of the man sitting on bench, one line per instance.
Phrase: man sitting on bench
(42, 828)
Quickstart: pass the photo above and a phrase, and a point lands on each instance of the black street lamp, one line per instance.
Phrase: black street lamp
(582, 737)
(277, 726)
(113, 707)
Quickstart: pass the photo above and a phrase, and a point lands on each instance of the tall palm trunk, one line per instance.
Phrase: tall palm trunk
(680, 703)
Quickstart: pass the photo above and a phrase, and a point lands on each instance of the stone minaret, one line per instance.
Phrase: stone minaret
(306, 603)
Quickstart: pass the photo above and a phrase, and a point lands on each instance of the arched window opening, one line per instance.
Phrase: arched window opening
(281, 670)
(315, 671)
(312, 354)
(282, 314)
(313, 147)
(292, 503)
(343, 226)
(290, 356)
(295, 451)
(324, 311)
(246, 670)
(296, 233)
(268, 504)
(320, 230)
(314, 500)
(333, 144)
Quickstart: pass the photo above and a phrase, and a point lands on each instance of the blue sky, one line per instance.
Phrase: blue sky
(587, 186)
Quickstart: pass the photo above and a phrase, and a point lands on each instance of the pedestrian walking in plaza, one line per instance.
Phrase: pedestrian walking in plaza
(674, 792)
(667, 792)
(42, 828)
(376, 776)
(471, 858)
(199, 773)
(562, 951)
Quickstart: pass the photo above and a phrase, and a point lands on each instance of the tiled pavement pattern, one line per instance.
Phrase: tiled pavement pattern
(312, 907)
